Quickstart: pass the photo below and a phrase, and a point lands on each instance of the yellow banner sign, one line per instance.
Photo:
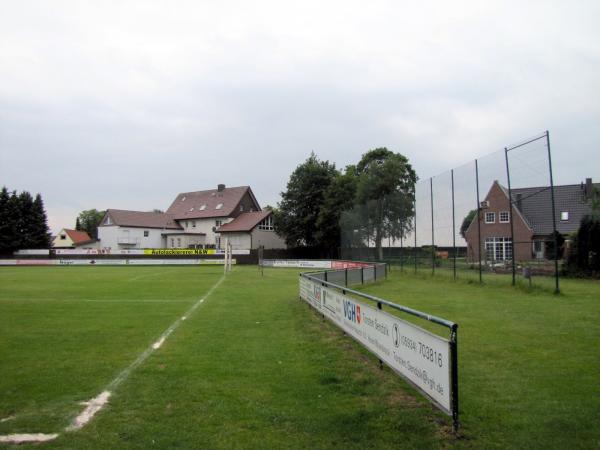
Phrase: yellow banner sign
(179, 251)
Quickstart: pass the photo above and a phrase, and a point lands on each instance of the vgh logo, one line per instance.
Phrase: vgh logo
(351, 311)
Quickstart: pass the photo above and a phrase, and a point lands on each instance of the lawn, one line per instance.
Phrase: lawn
(254, 367)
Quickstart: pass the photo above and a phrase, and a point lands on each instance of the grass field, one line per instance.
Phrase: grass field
(253, 367)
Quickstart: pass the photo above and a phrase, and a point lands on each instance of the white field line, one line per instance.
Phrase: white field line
(98, 402)
(27, 437)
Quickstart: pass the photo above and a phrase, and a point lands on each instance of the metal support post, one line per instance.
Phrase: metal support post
(510, 217)
(478, 219)
(453, 226)
(432, 229)
(555, 234)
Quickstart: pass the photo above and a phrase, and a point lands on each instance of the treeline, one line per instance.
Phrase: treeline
(23, 222)
(364, 203)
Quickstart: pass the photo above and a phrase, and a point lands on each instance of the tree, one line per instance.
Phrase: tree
(297, 214)
(39, 225)
(466, 222)
(338, 198)
(89, 221)
(385, 195)
(23, 222)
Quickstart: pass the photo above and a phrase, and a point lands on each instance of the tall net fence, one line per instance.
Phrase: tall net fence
(496, 216)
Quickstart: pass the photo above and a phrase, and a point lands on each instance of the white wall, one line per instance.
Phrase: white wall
(267, 238)
(109, 237)
(204, 226)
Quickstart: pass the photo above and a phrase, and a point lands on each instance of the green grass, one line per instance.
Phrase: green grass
(529, 360)
(254, 367)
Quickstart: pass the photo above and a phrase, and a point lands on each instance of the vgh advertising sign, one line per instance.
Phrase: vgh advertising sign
(418, 355)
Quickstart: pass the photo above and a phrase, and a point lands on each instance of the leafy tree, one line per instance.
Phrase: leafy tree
(89, 221)
(338, 198)
(297, 213)
(466, 222)
(385, 195)
(584, 255)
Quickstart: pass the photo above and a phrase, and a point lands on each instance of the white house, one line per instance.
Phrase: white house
(193, 220)
(68, 238)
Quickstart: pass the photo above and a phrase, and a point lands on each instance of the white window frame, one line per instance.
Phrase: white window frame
(266, 224)
(500, 214)
(564, 216)
(492, 215)
(219, 206)
(498, 249)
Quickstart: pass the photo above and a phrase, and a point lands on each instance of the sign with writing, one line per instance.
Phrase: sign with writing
(303, 263)
(418, 355)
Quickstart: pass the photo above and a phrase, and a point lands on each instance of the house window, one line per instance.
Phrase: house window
(202, 208)
(172, 242)
(266, 224)
(564, 215)
(193, 224)
(490, 217)
(178, 242)
(504, 217)
(241, 208)
(218, 223)
(219, 206)
(498, 248)
(63, 237)
(183, 198)
(146, 233)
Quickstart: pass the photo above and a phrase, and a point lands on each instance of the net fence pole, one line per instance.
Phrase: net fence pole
(453, 224)
(415, 228)
(510, 217)
(555, 232)
(478, 219)
(432, 228)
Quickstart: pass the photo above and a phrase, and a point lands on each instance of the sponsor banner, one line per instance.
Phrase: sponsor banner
(147, 251)
(36, 262)
(35, 252)
(420, 356)
(303, 263)
(138, 262)
(349, 265)
(97, 251)
(8, 262)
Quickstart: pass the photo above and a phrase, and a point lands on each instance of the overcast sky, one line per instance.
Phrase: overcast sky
(125, 104)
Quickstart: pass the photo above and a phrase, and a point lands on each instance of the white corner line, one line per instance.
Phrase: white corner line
(27, 437)
(97, 403)
(93, 406)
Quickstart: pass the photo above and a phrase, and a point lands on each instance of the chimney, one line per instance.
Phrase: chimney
(588, 188)
(221, 187)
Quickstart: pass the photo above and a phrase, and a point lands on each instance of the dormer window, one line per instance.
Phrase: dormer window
(241, 208)
(202, 208)
(219, 206)
(191, 209)
(183, 198)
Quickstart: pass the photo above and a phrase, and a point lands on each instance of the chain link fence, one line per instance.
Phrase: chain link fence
(495, 216)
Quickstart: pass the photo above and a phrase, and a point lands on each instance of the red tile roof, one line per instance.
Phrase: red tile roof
(203, 204)
(78, 237)
(141, 219)
(245, 221)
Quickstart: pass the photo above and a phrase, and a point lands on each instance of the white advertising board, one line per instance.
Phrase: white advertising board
(303, 263)
(138, 262)
(418, 355)
(141, 251)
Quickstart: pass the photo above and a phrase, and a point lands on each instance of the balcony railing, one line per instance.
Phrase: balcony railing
(128, 240)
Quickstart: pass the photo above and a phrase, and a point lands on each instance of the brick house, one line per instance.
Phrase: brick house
(531, 217)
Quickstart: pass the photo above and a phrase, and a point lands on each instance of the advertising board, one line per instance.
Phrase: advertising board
(146, 251)
(418, 355)
(302, 263)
